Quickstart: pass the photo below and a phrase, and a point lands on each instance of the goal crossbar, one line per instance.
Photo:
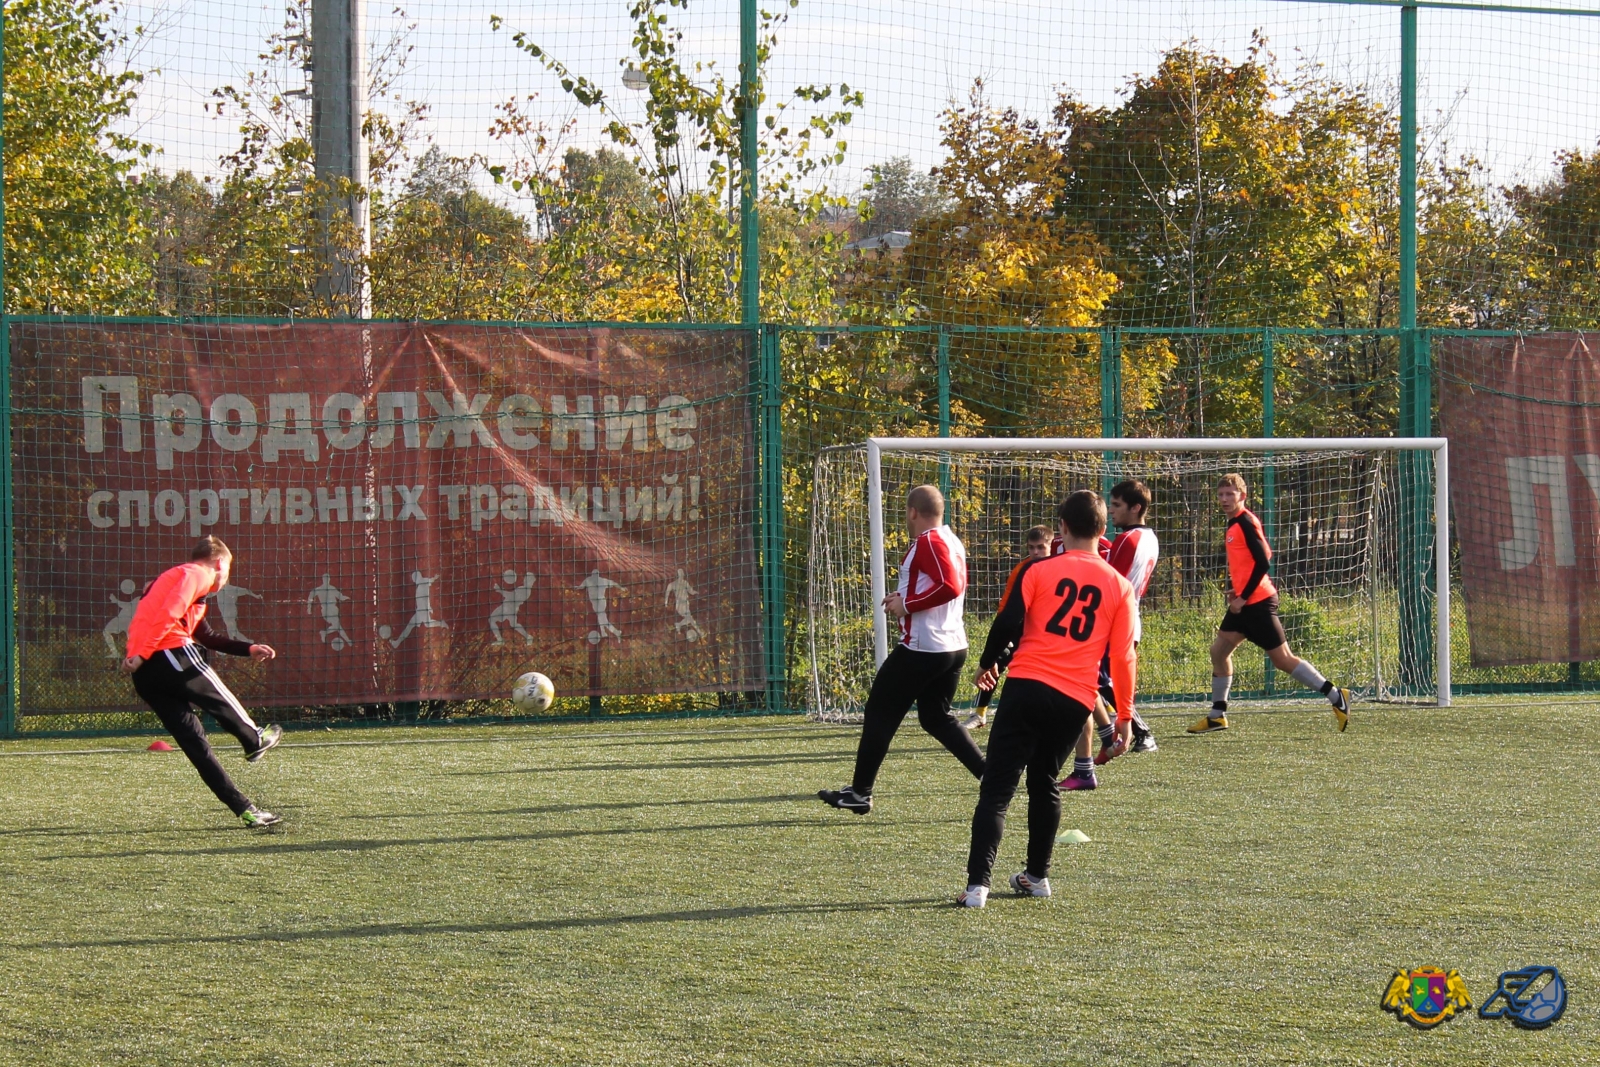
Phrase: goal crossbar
(1440, 446)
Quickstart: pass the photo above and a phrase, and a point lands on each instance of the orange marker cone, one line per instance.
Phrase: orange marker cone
(159, 746)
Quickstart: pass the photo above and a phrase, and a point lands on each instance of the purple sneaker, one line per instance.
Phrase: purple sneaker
(1078, 781)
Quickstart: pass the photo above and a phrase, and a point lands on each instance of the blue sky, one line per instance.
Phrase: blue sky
(1510, 88)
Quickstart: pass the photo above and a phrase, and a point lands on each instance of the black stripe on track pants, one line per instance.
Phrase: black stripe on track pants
(176, 681)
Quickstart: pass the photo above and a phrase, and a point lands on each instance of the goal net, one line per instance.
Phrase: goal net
(1353, 524)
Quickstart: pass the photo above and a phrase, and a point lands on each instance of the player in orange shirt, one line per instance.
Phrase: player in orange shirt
(166, 656)
(1253, 614)
(1039, 547)
(1063, 613)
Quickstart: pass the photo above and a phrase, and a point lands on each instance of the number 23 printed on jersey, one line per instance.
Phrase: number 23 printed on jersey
(1086, 600)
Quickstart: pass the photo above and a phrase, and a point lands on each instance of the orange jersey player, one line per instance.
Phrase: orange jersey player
(1063, 614)
(167, 644)
(1040, 546)
(1253, 614)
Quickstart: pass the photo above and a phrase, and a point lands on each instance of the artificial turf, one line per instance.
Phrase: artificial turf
(671, 893)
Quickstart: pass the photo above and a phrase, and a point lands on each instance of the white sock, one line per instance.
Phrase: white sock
(1219, 691)
(1308, 676)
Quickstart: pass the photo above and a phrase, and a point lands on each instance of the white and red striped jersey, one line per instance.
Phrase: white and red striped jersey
(1058, 546)
(1133, 555)
(933, 583)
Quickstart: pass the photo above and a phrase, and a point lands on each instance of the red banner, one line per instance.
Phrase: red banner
(416, 512)
(1525, 493)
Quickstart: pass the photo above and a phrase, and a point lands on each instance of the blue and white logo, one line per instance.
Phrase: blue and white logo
(1521, 998)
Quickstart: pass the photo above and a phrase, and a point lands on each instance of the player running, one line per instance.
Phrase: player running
(171, 672)
(926, 664)
(1253, 614)
(1063, 614)
(1133, 555)
(1039, 543)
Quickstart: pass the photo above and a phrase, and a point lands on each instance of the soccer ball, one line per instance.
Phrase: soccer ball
(533, 692)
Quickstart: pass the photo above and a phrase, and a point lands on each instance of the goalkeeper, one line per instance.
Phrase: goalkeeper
(1253, 614)
(1039, 547)
(1063, 614)
(166, 643)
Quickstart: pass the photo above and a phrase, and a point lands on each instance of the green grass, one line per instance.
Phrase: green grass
(669, 893)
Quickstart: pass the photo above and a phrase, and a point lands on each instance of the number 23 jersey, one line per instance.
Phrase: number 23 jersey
(1064, 612)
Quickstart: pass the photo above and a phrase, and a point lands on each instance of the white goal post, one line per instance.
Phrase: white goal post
(1276, 446)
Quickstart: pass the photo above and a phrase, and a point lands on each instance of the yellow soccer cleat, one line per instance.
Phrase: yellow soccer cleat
(1341, 708)
(1206, 724)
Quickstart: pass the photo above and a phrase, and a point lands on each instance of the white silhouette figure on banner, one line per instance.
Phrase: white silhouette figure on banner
(330, 599)
(597, 586)
(123, 619)
(678, 594)
(511, 601)
(423, 615)
(228, 607)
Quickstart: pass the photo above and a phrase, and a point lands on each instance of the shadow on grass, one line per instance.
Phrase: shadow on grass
(701, 763)
(373, 844)
(618, 805)
(752, 911)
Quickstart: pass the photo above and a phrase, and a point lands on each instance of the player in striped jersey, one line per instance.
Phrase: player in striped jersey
(1039, 547)
(1063, 614)
(925, 665)
(165, 655)
(1133, 555)
(1253, 614)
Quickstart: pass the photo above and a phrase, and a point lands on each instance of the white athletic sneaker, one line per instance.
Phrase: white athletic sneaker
(974, 896)
(976, 721)
(1025, 885)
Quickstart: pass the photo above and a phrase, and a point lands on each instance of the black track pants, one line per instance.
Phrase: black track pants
(927, 679)
(1035, 728)
(175, 682)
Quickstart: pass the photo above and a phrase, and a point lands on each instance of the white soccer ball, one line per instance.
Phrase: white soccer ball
(533, 692)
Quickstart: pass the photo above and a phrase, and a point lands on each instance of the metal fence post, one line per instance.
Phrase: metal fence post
(1110, 398)
(1416, 644)
(773, 529)
(8, 578)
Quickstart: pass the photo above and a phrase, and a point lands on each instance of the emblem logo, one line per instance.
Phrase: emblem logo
(1426, 996)
(1527, 1007)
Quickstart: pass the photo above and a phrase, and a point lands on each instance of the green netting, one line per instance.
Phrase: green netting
(1154, 217)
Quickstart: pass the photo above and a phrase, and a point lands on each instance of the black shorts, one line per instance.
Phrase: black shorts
(1258, 622)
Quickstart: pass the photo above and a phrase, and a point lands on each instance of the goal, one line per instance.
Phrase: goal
(1358, 528)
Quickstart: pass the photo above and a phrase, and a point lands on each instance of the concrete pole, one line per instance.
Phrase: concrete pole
(338, 107)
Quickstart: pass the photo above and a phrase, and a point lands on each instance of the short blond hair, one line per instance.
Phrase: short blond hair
(209, 548)
(1235, 480)
(927, 501)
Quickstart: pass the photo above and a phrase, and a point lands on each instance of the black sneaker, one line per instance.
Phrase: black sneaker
(1143, 740)
(846, 798)
(269, 737)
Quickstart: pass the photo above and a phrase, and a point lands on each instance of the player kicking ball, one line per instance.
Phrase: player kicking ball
(1253, 614)
(166, 657)
(1063, 614)
(926, 664)
(1039, 547)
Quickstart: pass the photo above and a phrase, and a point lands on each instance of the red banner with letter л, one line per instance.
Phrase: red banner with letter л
(1521, 415)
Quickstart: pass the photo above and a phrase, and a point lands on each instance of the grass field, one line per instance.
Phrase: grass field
(670, 893)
